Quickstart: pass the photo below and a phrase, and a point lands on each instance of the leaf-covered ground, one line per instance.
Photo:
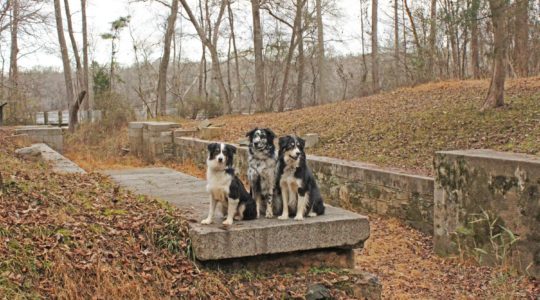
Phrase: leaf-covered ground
(403, 128)
(82, 237)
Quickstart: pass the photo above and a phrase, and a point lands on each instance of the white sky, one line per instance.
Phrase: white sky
(147, 21)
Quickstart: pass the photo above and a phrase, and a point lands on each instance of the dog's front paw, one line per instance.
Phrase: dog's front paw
(206, 221)
(312, 214)
(269, 214)
(283, 217)
(227, 222)
(299, 218)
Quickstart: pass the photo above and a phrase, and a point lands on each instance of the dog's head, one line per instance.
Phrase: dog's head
(261, 138)
(220, 156)
(291, 148)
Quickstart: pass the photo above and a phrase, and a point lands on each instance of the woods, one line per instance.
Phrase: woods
(289, 59)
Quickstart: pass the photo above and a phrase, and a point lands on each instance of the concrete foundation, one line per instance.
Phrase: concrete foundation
(480, 197)
(52, 136)
(337, 229)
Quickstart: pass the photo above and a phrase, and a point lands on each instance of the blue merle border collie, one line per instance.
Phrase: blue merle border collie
(300, 195)
(261, 173)
(225, 187)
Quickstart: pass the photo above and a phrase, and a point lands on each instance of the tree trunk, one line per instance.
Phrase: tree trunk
(235, 51)
(495, 96)
(396, 42)
(164, 63)
(521, 39)
(260, 86)
(374, 48)
(86, 72)
(292, 46)
(475, 57)
(76, 55)
(363, 42)
(322, 92)
(13, 66)
(432, 37)
(300, 61)
(65, 58)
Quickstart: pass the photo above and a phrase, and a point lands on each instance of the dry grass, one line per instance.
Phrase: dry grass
(403, 128)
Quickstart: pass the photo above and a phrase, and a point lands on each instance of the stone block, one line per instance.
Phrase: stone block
(60, 164)
(51, 136)
(185, 132)
(337, 229)
(504, 186)
(210, 133)
(311, 139)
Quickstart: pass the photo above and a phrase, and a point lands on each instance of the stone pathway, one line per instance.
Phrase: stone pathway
(338, 228)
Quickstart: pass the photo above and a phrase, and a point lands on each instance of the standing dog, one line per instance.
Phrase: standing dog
(300, 194)
(262, 169)
(225, 187)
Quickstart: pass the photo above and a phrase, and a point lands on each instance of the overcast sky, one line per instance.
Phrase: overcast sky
(147, 21)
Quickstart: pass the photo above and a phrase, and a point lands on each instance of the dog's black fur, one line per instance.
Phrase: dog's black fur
(224, 186)
(262, 168)
(292, 168)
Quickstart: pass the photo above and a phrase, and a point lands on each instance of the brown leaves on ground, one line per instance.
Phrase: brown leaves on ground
(404, 260)
(82, 237)
(404, 128)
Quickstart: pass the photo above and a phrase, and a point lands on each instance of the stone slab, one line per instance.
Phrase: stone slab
(60, 164)
(338, 228)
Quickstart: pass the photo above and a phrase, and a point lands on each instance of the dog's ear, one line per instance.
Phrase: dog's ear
(212, 147)
(271, 135)
(231, 148)
(250, 134)
(302, 143)
(283, 142)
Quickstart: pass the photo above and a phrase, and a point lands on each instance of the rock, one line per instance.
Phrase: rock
(318, 292)
(243, 142)
(209, 133)
(31, 153)
(366, 286)
(59, 163)
(204, 124)
(311, 139)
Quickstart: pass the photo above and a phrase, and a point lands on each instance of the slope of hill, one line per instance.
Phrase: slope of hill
(404, 128)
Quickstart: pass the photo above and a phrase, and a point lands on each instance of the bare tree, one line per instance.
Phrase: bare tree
(260, 85)
(14, 55)
(521, 37)
(65, 57)
(475, 59)
(164, 63)
(432, 36)
(211, 45)
(320, 54)
(235, 50)
(86, 70)
(76, 55)
(495, 96)
(374, 47)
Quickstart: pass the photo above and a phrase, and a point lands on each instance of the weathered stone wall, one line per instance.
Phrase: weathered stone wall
(52, 136)
(476, 185)
(348, 184)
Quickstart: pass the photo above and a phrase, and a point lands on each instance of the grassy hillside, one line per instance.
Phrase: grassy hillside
(404, 128)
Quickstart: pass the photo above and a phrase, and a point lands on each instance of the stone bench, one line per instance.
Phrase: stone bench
(328, 239)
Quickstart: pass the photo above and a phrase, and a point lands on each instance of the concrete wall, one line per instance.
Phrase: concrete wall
(346, 184)
(52, 136)
(475, 185)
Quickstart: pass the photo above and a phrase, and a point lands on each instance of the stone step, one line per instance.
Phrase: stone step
(337, 229)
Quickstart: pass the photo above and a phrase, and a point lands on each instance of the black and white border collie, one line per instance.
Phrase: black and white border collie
(300, 195)
(225, 187)
(261, 173)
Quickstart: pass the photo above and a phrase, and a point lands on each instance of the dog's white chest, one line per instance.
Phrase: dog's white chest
(218, 184)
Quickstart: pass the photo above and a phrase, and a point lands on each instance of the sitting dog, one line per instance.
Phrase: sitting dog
(262, 169)
(225, 187)
(300, 194)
